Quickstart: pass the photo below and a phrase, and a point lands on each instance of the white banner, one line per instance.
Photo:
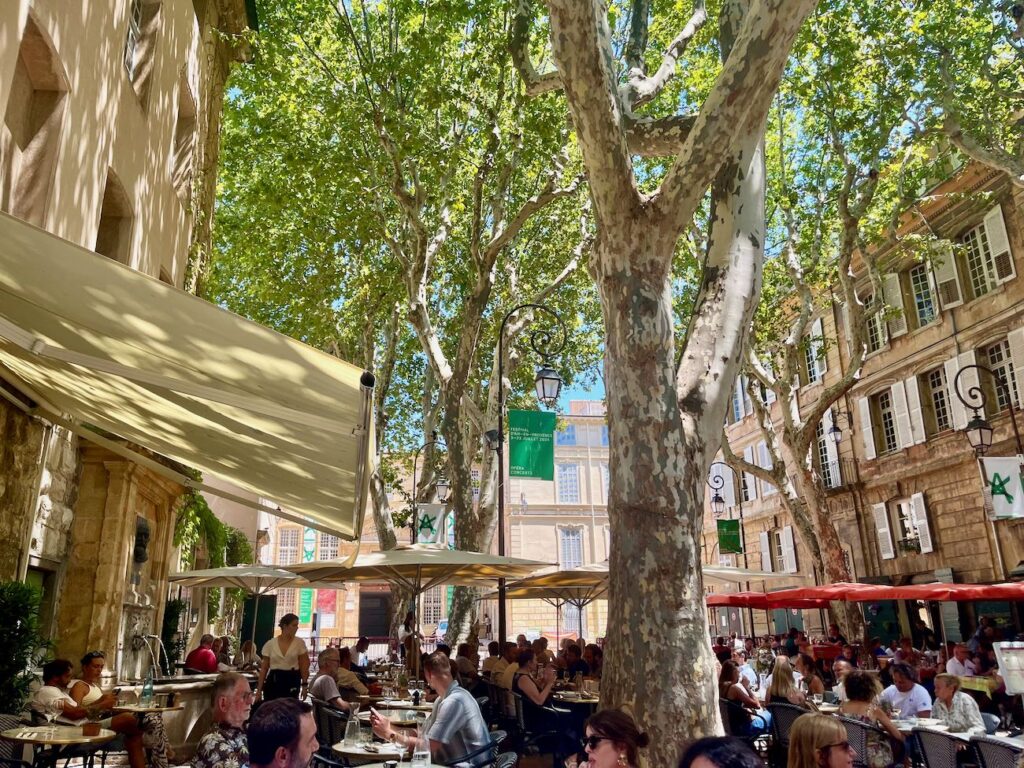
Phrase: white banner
(1002, 480)
(430, 524)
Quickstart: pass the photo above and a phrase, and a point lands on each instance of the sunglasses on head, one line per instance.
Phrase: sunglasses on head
(593, 741)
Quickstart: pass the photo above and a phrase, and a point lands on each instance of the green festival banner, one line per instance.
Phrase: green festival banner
(729, 537)
(531, 444)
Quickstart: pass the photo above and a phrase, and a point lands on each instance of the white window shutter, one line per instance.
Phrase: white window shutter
(766, 552)
(864, 406)
(729, 491)
(957, 409)
(944, 261)
(747, 478)
(788, 549)
(831, 449)
(885, 548)
(999, 243)
(748, 407)
(902, 412)
(920, 517)
(968, 380)
(1015, 339)
(914, 407)
(894, 298)
(818, 336)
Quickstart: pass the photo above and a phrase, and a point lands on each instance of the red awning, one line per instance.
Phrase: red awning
(820, 597)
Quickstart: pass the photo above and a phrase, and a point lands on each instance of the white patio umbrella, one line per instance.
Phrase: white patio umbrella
(257, 580)
(579, 587)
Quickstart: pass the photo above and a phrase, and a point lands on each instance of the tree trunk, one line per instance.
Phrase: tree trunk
(659, 658)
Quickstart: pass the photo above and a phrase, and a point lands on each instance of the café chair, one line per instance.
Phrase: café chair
(995, 753)
(330, 729)
(783, 717)
(491, 750)
(937, 749)
(857, 734)
(506, 760)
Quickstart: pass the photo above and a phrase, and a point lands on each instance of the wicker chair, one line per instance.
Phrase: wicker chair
(506, 760)
(938, 749)
(783, 717)
(857, 733)
(995, 753)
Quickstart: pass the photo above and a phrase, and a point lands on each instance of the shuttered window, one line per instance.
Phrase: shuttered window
(997, 357)
(884, 426)
(938, 418)
(924, 296)
(287, 546)
(570, 547)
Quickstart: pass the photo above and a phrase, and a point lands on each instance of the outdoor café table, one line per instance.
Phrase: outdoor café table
(981, 684)
(59, 738)
(575, 699)
(828, 652)
(373, 752)
(827, 709)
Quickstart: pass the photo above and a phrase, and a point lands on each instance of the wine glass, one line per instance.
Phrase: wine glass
(895, 712)
(817, 699)
(51, 712)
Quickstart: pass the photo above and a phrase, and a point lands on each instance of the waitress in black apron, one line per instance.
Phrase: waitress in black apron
(284, 669)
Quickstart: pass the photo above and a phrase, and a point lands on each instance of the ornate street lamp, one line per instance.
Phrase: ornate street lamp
(978, 430)
(834, 432)
(548, 385)
(716, 483)
(441, 486)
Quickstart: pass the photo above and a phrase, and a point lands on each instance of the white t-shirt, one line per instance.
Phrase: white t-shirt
(49, 693)
(289, 660)
(910, 703)
(965, 669)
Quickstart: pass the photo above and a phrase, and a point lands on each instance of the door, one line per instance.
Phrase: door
(374, 613)
(785, 618)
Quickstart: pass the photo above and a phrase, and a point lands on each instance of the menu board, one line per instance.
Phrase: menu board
(1011, 665)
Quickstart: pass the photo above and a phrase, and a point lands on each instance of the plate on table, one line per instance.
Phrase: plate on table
(928, 722)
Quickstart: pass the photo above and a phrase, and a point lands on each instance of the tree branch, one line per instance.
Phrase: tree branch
(536, 83)
(661, 137)
(641, 89)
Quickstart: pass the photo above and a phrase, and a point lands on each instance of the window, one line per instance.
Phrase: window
(131, 43)
(814, 361)
(605, 481)
(924, 296)
(184, 142)
(31, 127)
(908, 533)
(566, 435)
(737, 404)
(778, 551)
(433, 604)
(571, 615)
(139, 45)
(114, 232)
(328, 547)
(570, 547)
(829, 469)
(884, 425)
(285, 603)
(568, 484)
(287, 546)
(936, 401)
(604, 435)
(877, 337)
(998, 358)
(989, 261)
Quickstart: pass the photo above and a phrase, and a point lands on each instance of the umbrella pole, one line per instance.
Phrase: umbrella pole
(255, 617)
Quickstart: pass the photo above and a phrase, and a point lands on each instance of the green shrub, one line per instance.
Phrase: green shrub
(23, 646)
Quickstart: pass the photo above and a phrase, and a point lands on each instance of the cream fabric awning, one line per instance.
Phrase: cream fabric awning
(112, 353)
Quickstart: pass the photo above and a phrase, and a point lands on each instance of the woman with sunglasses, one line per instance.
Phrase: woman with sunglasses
(819, 741)
(612, 741)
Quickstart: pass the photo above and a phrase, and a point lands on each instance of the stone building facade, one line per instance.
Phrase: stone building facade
(108, 140)
(905, 489)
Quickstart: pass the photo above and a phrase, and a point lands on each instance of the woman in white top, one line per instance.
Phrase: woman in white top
(284, 670)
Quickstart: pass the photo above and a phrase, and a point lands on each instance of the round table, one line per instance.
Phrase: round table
(403, 704)
(58, 738)
(383, 752)
(148, 709)
(587, 701)
(827, 709)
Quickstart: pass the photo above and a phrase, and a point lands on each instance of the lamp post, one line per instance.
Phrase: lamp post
(834, 432)
(978, 430)
(441, 485)
(716, 483)
(548, 385)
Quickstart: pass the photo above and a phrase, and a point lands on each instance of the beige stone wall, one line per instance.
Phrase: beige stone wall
(21, 440)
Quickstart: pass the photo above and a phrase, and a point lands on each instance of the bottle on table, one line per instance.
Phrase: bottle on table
(146, 699)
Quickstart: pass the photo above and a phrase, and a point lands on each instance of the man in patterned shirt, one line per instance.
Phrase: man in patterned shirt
(225, 744)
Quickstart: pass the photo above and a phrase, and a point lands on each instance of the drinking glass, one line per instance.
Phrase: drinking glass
(51, 712)
(420, 752)
(817, 699)
(895, 712)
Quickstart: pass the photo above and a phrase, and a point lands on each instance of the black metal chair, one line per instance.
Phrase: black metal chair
(11, 753)
(783, 716)
(506, 760)
(937, 749)
(995, 753)
(857, 733)
(491, 750)
(330, 729)
(538, 741)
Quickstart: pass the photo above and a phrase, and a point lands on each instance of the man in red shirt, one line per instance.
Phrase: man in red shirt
(202, 659)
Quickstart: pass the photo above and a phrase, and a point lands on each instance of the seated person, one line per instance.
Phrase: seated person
(224, 654)
(469, 676)
(455, 727)
(348, 682)
(493, 657)
(861, 691)
(225, 743)
(961, 663)
(325, 687)
(907, 653)
(504, 678)
(955, 708)
(282, 733)
(360, 659)
(247, 659)
(911, 699)
(574, 663)
(835, 637)
(840, 669)
(202, 659)
(782, 687)
(56, 678)
(757, 721)
(594, 658)
(812, 680)
(847, 654)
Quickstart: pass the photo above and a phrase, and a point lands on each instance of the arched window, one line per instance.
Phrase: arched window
(30, 135)
(114, 234)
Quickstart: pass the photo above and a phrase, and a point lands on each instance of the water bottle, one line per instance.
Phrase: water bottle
(352, 731)
(421, 751)
(147, 690)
